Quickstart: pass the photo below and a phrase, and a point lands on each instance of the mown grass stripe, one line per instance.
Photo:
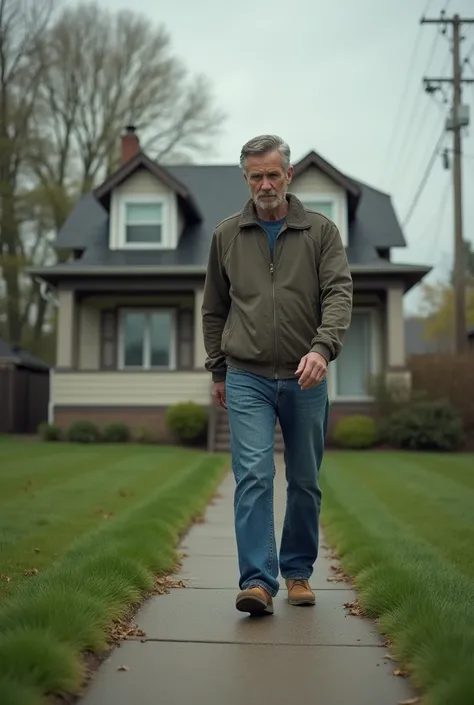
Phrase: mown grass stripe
(68, 608)
(53, 519)
(422, 602)
(407, 492)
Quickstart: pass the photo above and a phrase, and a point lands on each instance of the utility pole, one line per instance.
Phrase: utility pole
(458, 120)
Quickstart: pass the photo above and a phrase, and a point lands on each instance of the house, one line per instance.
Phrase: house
(129, 340)
(24, 390)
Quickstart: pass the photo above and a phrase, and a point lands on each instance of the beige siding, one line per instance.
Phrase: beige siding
(89, 338)
(129, 388)
(66, 337)
(142, 183)
(313, 181)
(313, 184)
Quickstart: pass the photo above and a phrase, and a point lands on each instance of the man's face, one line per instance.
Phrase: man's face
(268, 180)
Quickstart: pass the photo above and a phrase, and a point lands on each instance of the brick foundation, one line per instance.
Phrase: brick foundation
(151, 419)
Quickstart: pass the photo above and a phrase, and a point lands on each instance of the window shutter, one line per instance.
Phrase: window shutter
(185, 339)
(108, 340)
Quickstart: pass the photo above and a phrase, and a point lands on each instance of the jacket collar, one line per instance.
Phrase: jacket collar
(295, 218)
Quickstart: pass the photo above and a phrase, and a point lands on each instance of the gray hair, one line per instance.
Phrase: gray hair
(264, 144)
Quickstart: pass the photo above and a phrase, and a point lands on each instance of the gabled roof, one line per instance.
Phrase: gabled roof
(313, 159)
(103, 192)
(218, 190)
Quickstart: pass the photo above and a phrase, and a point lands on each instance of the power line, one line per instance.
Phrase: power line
(439, 217)
(417, 135)
(404, 154)
(455, 124)
(424, 179)
(409, 74)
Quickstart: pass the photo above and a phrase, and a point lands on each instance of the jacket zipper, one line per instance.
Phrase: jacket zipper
(275, 337)
(275, 351)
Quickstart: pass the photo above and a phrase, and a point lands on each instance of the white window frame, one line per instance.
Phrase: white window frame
(169, 224)
(375, 358)
(147, 366)
(339, 206)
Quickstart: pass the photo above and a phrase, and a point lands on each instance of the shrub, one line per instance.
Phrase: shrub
(356, 432)
(83, 432)
(188, 421)
(117, 433)
(50, 432)
(426, 425)
(144, 435)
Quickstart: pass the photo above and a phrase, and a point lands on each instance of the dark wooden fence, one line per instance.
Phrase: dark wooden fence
(24, 399)
(448, 377)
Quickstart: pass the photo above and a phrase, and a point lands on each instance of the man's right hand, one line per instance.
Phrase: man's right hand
(218, 394)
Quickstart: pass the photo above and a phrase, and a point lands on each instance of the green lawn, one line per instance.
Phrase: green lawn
(83, 532)
(403, 524)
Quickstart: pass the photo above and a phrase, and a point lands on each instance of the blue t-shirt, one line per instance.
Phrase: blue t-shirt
(272, 228)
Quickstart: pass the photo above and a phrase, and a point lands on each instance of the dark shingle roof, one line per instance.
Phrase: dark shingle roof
(21, 357)
(218, 191)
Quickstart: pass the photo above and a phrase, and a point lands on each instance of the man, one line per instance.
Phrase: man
(277, 301)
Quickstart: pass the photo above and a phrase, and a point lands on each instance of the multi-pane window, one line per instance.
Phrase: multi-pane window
(144, 223)
(354, 366)
(147, 339)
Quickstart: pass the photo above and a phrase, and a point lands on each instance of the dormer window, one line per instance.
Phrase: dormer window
(325, 207)
(332, 205)
(144, 223)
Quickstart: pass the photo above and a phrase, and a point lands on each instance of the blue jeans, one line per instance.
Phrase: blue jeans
(254, 404)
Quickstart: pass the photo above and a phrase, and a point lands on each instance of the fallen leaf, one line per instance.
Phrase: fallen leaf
(107, 516)
(164, 584)
(411, 701)
(355, 609)
(389, 657)
(122, 629)
(6, 578)
(31, 571)
(400, 672)
(123, 668)
(199, 519)
(37, 550)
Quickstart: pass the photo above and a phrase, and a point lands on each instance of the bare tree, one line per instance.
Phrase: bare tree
(108, 70)
(23, 24)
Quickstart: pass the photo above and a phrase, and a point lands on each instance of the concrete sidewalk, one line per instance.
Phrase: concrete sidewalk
(199, 649)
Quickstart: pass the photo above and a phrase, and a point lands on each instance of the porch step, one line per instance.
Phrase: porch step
(222, 434)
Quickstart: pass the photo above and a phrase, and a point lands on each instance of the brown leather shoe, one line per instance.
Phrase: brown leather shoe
(254, 600)
(300, 593)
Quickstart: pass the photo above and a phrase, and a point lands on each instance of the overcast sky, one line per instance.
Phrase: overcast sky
(330, 76)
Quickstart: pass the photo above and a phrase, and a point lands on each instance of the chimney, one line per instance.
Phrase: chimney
(130, 144)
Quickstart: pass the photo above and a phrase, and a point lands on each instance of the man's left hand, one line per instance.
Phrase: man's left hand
(311, 370)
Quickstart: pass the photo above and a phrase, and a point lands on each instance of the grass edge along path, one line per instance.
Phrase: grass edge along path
(423, 607)
(48, 625)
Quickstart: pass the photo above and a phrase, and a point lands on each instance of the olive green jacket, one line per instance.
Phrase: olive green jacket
(263, 316)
